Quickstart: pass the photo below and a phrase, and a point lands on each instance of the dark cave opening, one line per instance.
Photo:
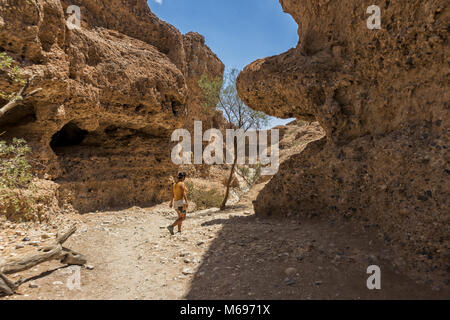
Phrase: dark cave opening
(69, 135)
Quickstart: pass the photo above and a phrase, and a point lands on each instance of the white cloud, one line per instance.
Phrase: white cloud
(159, 1)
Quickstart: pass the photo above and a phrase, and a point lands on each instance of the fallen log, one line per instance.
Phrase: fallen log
(71, 257)
(47, 253)
(6, 286)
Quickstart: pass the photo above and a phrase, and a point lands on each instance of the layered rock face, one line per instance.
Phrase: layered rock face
(113, 92)
(382, 98)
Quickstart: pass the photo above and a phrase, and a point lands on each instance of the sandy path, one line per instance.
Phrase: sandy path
(221, 255)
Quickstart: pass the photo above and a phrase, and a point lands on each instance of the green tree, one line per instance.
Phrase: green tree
(222, 95)
(15, 170)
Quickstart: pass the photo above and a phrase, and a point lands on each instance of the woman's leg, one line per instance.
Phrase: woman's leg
(182, 218)
(179, 220)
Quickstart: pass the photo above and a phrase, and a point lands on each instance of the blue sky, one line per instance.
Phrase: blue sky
(238, 31)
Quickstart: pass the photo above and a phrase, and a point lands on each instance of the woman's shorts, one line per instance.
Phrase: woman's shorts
(180, 205)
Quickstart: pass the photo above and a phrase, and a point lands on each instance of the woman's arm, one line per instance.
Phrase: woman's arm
(185, 195)
(171, 198)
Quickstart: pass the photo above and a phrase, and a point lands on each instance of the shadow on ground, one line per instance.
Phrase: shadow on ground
(249, 258)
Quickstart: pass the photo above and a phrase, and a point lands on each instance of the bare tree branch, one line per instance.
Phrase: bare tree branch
(20, 96)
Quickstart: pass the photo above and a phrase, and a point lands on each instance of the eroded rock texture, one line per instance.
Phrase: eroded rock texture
(113, 92)
(382, 98)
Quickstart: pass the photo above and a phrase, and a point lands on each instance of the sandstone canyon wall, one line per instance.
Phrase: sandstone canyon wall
(113, 92)
(382, 98)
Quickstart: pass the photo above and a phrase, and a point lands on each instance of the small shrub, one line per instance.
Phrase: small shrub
(16, 190)
(15, 171)
(203, 199)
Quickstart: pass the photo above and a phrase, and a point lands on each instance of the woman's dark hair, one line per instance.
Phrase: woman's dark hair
(181, 175)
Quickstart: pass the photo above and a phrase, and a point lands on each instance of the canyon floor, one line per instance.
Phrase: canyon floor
(228, 254)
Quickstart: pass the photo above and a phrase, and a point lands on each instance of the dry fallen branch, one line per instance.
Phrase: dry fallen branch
(47, 253)
(19, 97)
(6, 286)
